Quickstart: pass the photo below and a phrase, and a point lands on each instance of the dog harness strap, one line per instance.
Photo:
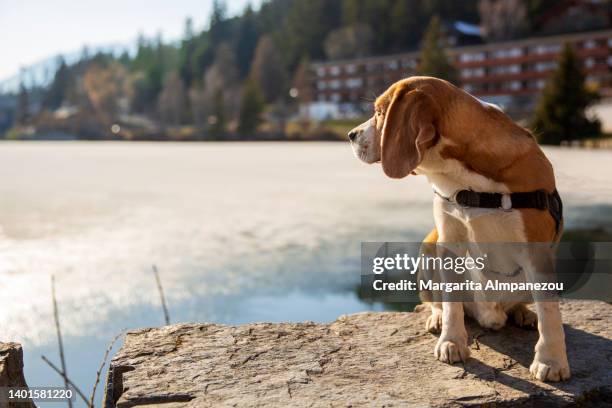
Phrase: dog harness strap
(538, 199)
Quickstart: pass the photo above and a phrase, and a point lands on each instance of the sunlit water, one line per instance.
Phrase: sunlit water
(240, 232)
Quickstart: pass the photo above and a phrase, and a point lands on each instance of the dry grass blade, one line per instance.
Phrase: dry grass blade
(59, 336)
(161, 295)
(106, 353)
(67, 381)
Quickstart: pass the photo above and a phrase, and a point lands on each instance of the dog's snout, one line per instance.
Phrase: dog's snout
(352, 135)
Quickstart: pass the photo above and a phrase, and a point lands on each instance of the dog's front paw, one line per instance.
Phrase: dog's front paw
(550, 369)
(525, 318)
(449, 351)
(434, 323)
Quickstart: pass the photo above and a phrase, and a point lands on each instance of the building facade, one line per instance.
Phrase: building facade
(511, 74)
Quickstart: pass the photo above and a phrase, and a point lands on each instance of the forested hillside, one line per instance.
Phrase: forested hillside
(199, 81)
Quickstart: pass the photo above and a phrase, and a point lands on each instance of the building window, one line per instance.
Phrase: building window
(392, 65)
(350, 68)
(321, 71)
(321, 98)
(335, 70)
(506, 69)
(335, 97)
(546, 49)
(589, 44)
(508, 53)
(353, 83)
(472, 57)
(321, 85)
(335, 84)
(409, 63)
(545, 66)
(589, 63)
(516, 52)
(472, 72)
(514, 85)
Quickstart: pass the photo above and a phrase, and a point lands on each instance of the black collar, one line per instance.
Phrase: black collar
(539, 199)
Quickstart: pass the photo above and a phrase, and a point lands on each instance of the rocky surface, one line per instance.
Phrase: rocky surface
(368, 359)
(11, 372)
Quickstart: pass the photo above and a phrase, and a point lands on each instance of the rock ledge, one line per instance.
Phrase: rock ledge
(11, 372)
(373, 359)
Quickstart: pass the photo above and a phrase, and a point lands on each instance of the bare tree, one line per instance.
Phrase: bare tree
(503, 19)
(199, 106)
(171, 101)
(222, 78)
(267, 69)
(107, 88)
(302, 87)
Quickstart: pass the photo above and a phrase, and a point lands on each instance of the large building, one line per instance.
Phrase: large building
(510, 74)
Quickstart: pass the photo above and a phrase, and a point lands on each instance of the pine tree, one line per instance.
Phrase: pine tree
(22, 114)
(247, 37)
(434, 61)
(218, 28)
(54, 96)
(186, 54)
(560, 113)
(251, 108)
(406, 23)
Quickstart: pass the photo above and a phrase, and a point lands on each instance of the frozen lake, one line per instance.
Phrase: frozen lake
(240, 232)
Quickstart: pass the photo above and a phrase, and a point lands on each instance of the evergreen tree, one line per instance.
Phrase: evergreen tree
(406, 23)
(218, 29)
(248, 34)
(537, 8)
(306, 26)
(560, 114)
(22, 115)
(186, 54)
(434, 61)
(54, 96)
(150, 66)
(251, 108)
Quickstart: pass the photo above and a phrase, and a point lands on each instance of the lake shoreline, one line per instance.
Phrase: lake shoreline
(597, 144)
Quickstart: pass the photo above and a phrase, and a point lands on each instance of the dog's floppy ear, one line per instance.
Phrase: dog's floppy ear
(407, 131)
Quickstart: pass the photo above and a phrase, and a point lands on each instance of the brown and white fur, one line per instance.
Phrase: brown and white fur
(427, 126)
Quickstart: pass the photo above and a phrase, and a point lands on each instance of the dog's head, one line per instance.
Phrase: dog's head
(403, 127)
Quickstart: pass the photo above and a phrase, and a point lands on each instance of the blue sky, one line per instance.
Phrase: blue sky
(33, 30)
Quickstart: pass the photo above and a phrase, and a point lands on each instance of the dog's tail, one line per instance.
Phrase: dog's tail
(428, 248)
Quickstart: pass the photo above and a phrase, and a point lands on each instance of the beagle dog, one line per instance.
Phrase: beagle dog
(427, 126)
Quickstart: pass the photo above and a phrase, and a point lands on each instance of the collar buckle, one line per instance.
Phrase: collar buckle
(506, 202)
